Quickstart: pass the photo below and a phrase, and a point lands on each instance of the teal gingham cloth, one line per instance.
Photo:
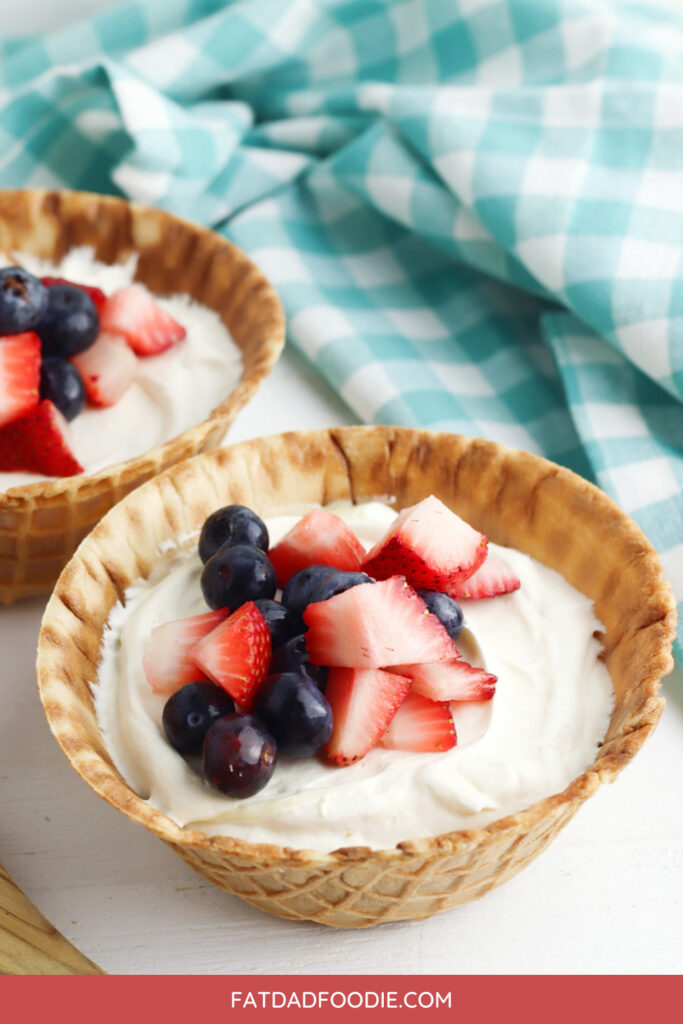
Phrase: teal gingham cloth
(472, 209)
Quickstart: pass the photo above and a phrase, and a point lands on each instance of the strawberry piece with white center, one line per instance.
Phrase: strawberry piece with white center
(236, 655)
(363, 702)
(450, 680)
(319, 538)
(429, 545)
(421, 725)
(96, 294)
(491, 579)
(148, 329)
(374, 625)
(108, 368)
(19, 375)
(38, 442)
(167, 659)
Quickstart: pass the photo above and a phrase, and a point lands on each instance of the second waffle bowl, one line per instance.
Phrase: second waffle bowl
(41, 524)
(517, 499)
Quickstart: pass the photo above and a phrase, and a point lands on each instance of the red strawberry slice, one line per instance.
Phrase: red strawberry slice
(236, 655)
(429, 545)
(375, 625)
(96, 294)
(491, 579)
(108, 368)
(38, 443)
(363, 702)
(320, 538)
(148, 329)
(167, 661)
(19, 375)
(421, 725)
(450, 680)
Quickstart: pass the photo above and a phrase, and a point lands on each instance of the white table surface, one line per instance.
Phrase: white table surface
(605, 898)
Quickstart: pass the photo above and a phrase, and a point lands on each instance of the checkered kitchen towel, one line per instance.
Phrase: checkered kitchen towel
(472, 209)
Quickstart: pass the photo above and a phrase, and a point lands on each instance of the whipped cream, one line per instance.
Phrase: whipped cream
(171, 392)
(550, 712)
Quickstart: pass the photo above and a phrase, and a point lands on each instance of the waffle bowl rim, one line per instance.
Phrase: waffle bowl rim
(606, 766)
(222, 415)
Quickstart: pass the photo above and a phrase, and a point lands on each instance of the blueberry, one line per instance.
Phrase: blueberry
(235, 575)
(191, 711)
(239, 755)
(293, 657)
(283, 625)
(23, 300)
(61, 382)
(234, 524)
(298, 591)
(337, 584)
(295, 712)
(446, 610)
(70, 323)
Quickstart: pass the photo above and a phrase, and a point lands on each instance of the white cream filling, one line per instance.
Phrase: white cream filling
(551, 709)
(171, 392)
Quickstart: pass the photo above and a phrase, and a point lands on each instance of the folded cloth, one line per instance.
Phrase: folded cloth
(473, 210)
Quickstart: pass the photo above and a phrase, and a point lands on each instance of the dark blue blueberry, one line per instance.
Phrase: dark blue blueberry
(239, 755)
(191, 711)
(283, 625)
(446, 610)
(293, 657)
(70, 323)
(295, 712)
(337, 584)
(299, 589)
(61, 382)
(23, 300)
(235, 575)
(234, 524)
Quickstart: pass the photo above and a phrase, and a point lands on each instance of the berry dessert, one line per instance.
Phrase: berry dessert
(349, 676)
(82, 344)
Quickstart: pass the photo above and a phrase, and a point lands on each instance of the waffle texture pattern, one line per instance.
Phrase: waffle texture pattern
(472, 209)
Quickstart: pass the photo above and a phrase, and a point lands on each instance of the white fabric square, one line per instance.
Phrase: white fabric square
(367, 389)
(457, 170)
(663, 190)
(463, 379)
(613, 419)
(286, 266)
(643, 483)
(411, 26)
(644, 260)
(647, 344)
(164, 60)
(375, 268)
(573, 105)
(392, 195)
(553, 176)
(672, 561)
(315, 326)
(544, 258)
(421, 324)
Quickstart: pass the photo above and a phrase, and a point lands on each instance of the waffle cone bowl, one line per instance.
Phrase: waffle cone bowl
(517, 499)
(42, 523)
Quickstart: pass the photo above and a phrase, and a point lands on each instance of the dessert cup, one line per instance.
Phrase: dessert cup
(517, 499)
(42, 523)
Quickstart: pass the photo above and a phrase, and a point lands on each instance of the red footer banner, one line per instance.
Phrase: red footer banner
(337, 998)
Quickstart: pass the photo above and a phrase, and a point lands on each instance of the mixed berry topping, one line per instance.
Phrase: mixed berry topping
(360, 651)
(62, 346)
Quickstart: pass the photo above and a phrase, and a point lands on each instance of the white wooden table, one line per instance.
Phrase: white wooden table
(605, 898)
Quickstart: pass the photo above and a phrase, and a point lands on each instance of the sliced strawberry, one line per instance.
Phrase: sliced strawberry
(96, 294)
(374, 625)
(19, 375)
(167, 661)
(421, 725)
(491, 579)
(320, 538)
(429, 545)
(148, 329)
(108, 368)
(363, 702)
(236, 655)
(38, 443)
(450, 680)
